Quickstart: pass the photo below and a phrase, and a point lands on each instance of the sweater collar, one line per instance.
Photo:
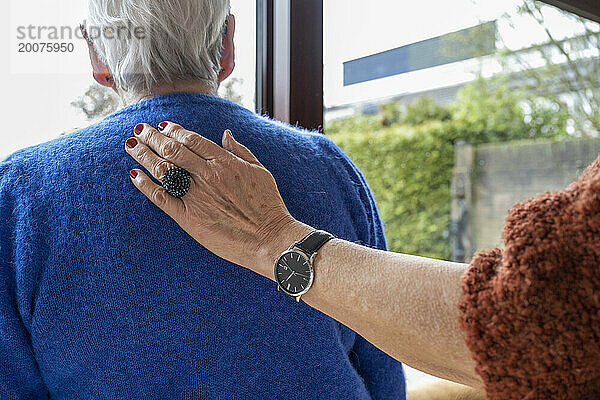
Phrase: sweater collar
(175, 99)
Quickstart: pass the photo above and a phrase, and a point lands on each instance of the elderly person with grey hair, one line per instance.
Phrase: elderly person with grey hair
(103, 296)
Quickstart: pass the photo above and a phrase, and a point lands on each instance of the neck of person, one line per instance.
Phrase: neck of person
(178, 87)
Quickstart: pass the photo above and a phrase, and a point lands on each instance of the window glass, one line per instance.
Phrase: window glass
(455, 111)
(47, 94)
(240, 86)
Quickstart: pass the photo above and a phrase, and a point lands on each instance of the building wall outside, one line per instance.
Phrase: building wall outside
(490, 179)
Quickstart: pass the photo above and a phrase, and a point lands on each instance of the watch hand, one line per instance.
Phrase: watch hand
(288, 278)
(292, 272)
(302, 275)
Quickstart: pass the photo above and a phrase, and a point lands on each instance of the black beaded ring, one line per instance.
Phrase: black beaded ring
(177, 182)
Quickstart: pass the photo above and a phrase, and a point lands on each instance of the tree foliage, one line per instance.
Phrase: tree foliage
(408, 163)
(229, 91)
(97, 102)
(570, 72)
(488, 111)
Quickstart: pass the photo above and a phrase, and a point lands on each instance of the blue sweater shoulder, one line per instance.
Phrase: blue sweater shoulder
(80, 275)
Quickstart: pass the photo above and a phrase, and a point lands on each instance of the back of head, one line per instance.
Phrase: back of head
(145, 43)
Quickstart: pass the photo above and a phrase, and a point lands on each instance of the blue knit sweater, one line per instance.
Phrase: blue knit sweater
(103, 296)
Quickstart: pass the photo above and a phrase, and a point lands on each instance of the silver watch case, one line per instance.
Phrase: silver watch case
(293, 249)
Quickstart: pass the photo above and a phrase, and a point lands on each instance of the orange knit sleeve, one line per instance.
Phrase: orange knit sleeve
(531, 312)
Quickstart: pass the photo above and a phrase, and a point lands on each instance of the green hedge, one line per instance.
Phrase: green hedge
(407, 154)
(409, 171)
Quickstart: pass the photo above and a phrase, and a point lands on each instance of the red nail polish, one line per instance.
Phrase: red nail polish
(133, 173)
(131, 143)
(139, 128)
(162, 126)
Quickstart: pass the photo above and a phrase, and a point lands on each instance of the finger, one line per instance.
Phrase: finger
(168, 148)
(158, 195)
(198, 144)
(148, 159)
(230, 144)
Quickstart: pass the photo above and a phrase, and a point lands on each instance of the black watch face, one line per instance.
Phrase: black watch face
(293, 273)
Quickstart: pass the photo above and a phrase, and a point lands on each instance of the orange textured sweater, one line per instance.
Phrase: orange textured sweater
(531, 312)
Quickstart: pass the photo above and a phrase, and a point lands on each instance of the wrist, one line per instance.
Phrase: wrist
(286, 234)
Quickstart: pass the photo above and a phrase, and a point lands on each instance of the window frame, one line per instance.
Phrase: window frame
(289, 78)
(589, 9)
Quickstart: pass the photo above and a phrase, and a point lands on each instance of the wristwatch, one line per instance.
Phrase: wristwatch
(294, 271)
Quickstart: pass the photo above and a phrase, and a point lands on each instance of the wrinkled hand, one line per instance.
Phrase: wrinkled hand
(233, 207)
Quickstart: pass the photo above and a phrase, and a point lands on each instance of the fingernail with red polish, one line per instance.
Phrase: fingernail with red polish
(162, 126)
(133, 173)
(139, 128)
(131, 143)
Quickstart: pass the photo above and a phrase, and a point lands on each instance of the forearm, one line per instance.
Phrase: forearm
(444, 390)
(405, 305)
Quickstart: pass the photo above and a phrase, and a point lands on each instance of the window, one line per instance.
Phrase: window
(38, 84)
(240, 86)
(455, 111)
(46, 84)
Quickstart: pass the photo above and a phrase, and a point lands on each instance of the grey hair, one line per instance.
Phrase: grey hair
(175, 40)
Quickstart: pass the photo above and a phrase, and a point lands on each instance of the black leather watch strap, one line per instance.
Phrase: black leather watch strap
(313, 242)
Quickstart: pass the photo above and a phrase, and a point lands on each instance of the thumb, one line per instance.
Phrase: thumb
(238, 149)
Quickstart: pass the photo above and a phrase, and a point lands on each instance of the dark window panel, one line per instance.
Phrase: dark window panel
(290, 77)
(586, 8)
